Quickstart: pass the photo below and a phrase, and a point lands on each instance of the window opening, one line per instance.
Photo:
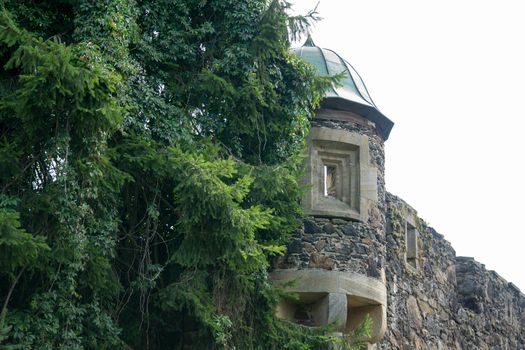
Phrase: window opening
(303, 315)
(411, 239)
(330, 181)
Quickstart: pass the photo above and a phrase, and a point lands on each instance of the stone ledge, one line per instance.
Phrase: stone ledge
(364, 295)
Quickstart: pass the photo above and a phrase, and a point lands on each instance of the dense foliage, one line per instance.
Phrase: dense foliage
(149, 156)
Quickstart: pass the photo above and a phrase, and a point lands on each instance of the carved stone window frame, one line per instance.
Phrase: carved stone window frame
(349, 151)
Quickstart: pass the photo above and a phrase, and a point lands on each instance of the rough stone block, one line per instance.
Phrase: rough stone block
(414, 315)
(311, 227)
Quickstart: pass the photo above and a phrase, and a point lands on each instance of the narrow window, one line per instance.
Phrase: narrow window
(330, 181)
(411, 239)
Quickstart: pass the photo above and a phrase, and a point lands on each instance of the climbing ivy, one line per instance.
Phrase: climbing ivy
(149, 157)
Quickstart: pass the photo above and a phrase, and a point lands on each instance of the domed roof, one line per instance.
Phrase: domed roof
(352, 95)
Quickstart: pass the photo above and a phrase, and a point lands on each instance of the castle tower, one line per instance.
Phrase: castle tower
(338, 256)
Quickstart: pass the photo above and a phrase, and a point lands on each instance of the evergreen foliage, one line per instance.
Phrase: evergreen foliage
(149, 156)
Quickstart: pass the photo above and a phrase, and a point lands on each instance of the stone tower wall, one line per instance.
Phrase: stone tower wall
(344, 244)
(338, 253)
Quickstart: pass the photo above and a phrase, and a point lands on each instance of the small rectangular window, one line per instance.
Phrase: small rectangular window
(411, 239)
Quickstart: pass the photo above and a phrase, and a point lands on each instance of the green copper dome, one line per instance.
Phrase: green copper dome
(352, 95)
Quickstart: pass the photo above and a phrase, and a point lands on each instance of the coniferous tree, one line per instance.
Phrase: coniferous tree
(150, 154)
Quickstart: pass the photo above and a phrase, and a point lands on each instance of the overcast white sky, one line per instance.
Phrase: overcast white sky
(451, 75)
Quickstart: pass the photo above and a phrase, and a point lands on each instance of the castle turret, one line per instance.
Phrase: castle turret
(337, 256)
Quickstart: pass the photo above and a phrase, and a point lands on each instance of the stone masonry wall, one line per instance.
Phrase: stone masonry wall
(446, 302)
(336, 244)
(492, 311)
